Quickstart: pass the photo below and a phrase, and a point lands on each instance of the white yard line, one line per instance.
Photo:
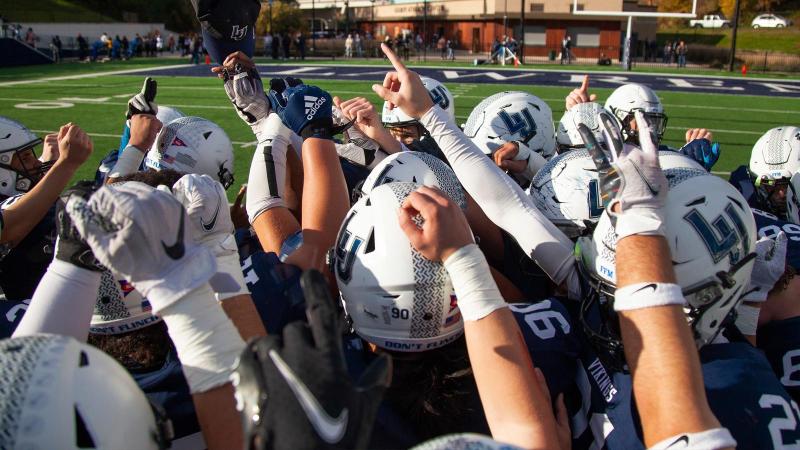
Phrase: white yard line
(117, 136)
(90, 75)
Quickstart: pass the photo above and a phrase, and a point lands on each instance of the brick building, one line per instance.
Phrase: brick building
(474, 24)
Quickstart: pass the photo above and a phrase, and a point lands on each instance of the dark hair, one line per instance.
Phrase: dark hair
(155, 178)
(435, 392)
(142, 350)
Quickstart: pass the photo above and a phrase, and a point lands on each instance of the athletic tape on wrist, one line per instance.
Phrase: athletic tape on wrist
(747, 319)
(229, 264)
(128, 162)
(713, 439)
(472, 280)
(647, 295)
(206, 340)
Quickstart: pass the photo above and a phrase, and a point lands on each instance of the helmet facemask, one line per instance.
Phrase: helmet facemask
(27, 169)
(657, 121)
(771, 194)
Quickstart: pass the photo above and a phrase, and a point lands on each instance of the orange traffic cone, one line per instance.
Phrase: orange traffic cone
(744, 70)
(208, 59)
(516, 62)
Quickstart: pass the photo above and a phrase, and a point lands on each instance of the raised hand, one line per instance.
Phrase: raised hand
(144, 130)
(50, 148)
(506, 158)
(144, 101)
(580, 95)
(140, 234)
(703, 151)
(768, 268)
(70, 246)
(434, 224)
(294, 391)
(244, 88)
(74, 145)
(403, 88)
(308, 111)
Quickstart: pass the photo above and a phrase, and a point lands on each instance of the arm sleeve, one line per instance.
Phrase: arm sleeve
(503, 201)
(63, 302)
(267, 180)
(360, 156)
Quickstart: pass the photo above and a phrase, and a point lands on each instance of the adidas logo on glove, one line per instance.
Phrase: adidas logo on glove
(312, 105)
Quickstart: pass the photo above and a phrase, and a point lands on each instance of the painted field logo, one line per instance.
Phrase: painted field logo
(721, 239)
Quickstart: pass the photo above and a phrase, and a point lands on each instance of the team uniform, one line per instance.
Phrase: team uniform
(780, 342)
(770, 225)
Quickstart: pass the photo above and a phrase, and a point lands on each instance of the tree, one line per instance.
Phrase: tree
(286, 17)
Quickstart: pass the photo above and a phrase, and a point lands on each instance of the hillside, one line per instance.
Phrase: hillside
(49, 11)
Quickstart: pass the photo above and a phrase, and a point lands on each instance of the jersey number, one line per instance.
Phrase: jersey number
(780, 424)
(543, 320)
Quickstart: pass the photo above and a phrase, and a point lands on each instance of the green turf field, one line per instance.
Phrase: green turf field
(100, 103)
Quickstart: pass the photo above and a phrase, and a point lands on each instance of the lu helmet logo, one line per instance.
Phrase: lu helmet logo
(312, 105)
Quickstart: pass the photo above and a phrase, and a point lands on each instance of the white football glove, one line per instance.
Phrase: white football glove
(246, 92)
(634, 181)
(140, 234)
(768, 268)
(144, 101)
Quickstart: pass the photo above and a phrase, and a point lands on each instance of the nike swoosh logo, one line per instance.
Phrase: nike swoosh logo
(651, 285)
(210, 225)
(647, 183)
(684, 439)
(330, 429)
(176, 250)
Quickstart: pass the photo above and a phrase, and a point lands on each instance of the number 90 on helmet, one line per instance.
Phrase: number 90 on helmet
(394, 297)
(193, 145)
(512, 116)
(711, 234)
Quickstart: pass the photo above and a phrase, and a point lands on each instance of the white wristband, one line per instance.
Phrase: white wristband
(747, 319)
(472, 280)
(206, 340)
(647, 295)
(713, 439)
(128, 162)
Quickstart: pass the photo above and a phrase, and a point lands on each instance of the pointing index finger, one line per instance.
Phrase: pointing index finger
(585, 84)
(398, 65)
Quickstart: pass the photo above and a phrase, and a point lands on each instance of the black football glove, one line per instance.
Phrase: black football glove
(294, 391)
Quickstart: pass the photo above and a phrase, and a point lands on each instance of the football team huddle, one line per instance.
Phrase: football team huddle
(396, 280)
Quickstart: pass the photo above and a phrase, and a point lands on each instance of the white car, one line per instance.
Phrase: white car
(710, 21)
(770, 21)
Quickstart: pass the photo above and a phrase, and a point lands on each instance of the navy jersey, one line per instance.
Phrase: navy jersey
(780, 342)
(747, 398)
(12, 312)
(740, 179)
(23, 266)
(770, 225)
(167, 387)
(275, 288)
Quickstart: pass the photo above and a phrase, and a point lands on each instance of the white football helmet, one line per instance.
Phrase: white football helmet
(16, 139)
(394, 297)
(167, 114)
(120, 308)
(440, 95)
(773, 161)
(631, 97)
(512, 116)
(567, 192)
(567, 135)
(711, 234)
(56, 392)
(419, 168)
(193, 145)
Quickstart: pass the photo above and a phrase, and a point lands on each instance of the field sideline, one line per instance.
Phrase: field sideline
(99, 103)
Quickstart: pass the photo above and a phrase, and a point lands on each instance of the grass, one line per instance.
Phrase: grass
(784, 40)
(737, 121)
(49, 11)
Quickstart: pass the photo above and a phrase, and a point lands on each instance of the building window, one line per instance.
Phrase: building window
(571, 7)
(584, 36)
(537, 7)
(534, 34)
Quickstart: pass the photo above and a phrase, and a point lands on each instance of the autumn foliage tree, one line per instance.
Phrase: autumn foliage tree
(286, 17)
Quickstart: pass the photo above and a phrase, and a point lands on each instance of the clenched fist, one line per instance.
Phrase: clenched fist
(74, 145)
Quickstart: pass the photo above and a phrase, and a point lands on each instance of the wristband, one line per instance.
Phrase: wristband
(712, 439)
(206, 340)
(747, 319)
(128, 162)
(472, 280)
(647, 295)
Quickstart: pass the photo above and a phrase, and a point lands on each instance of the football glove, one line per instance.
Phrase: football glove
(308, 111)
(295, 392)
(70, 246)
(768, 268)
(140, 234)
(702, 151)
(246, 93)
(144, 101)
(634, 181)
(277, 86)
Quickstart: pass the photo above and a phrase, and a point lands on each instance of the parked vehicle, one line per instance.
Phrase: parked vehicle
(710, 21)
(770, 21)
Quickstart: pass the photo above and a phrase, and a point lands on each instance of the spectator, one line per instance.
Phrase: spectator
(267, 40)
(171, 43)
(441, 45)
(30, 37)
(54, 49)
(276, 44)
(681, 51)
(196, 46)
(348, 46)
(666, 57)
(603, 60)
(104, 38)
(418, 43)
(159, 44)
(83, 46)
(450, 54)
(301, 45)
(116, 48)
(124, 47)
(358, 44)
(287, 50)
